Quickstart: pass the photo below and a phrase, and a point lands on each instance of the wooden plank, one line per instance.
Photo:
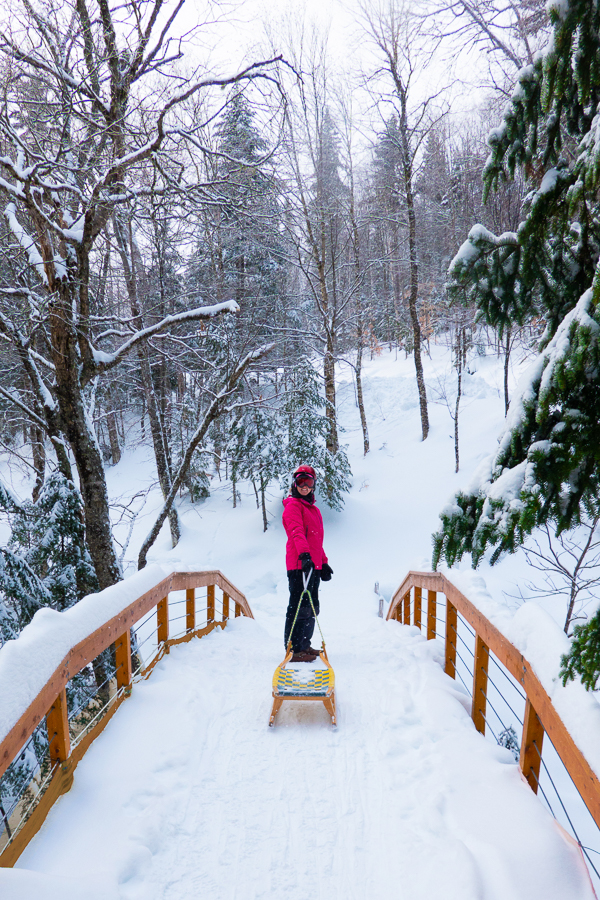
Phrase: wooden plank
(480, 679)
(200, 632)
(210, 604)
(451, 639)
(162, 620)
(190, 609)
(431, 614)
(183, 580)
(91, 647)
(30, 828)
(418, 604)
(57, 724)
(26, 725)
(225, 606)
(123, 661)
(406, 604)
(531, 746)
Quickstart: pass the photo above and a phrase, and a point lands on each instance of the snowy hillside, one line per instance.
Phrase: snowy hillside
(188, 794)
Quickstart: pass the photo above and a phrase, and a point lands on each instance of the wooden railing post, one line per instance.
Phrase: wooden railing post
(162, 619)
(531, 746)
(451, 639)
(480, 679)
(57, 724)
(406, 603)
(225, 606)
(431, 614)
(190, 609)
(210, 604)
(238, 610)
(418, 599)
(123, 662)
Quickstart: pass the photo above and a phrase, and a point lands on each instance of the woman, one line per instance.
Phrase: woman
(304, 555)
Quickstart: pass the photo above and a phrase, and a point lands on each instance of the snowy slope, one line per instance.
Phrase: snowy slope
(189, 794)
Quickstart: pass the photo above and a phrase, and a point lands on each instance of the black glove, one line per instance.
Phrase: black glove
(326, 572)
(307, 563)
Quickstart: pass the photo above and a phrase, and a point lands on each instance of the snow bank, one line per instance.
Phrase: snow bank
(542, 642)
(28, 662)
(20, 884)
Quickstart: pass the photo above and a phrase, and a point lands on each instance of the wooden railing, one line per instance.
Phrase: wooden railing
(540, 716)
(51, 701)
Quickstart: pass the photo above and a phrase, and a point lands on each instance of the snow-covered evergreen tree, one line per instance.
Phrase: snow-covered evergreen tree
(308, 429)
(51, 536)
(239, 247)
(257, 449)
(21, 591)
(546, 467)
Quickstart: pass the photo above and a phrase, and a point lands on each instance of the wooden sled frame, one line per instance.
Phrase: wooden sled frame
(328, 699)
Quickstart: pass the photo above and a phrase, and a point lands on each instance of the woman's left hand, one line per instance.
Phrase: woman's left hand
(326, 572)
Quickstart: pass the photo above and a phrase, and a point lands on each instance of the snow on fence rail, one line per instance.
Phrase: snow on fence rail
(488, 632)
(43, 736)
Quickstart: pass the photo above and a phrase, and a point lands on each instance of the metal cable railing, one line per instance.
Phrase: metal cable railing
(61, 734)
(494, 701)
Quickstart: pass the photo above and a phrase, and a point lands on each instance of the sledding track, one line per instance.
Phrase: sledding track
(189, 794)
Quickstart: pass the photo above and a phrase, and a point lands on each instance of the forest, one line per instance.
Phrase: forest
(186, 256)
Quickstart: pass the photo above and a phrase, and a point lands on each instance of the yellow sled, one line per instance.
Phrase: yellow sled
(301, 682)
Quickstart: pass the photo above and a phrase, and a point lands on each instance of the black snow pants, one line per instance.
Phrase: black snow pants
(305, 623)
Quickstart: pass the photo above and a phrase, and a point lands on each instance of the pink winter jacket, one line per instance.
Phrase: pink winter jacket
(303, 524)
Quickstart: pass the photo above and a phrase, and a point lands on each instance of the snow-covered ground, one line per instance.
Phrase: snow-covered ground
(189, 794)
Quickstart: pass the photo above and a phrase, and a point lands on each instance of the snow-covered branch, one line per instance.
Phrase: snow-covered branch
(13, 398)
(104, 361)
(26, 241)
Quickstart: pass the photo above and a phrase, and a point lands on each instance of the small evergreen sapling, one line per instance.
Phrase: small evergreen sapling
(583, 658)
(307, 433)
(508, 738)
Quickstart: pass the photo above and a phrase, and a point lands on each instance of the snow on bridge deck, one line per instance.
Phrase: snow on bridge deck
(189, 794)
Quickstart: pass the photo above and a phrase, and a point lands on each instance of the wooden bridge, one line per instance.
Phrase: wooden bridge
(426, 600)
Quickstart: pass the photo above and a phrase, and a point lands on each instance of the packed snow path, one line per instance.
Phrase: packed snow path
(189, 794)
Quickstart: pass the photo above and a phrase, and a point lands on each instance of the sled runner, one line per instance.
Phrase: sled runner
(304, 681)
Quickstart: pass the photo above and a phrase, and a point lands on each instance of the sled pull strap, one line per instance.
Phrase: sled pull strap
(305, 581)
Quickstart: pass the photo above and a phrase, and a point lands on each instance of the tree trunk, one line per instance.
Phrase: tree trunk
(407, 172)
(506, 364)
(113, 437)
(459, 368)
(262, 503)
(66, 358)
(412, 303)
(359, 397)
(38, 451)
(332, 443)
(159, 442)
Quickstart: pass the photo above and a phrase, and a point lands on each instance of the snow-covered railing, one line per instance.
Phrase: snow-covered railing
(488, 642)
(43, 733)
